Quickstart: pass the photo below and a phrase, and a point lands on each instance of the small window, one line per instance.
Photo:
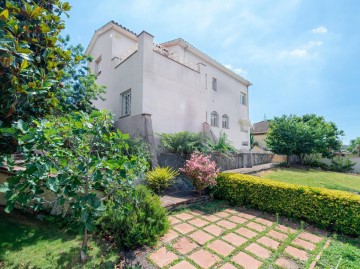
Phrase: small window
(245, 143)
(243, 99)
(214, 119)
(225, 121)
(214, 84)
(126, 103)
(98, 66)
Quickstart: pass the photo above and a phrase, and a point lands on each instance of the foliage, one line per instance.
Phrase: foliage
(253, 143)
(137, 221)
(40, 73)
(160, 178)
(336, 210)
(309, 134)
(26, 242)
(223, 145)
(354, 146)
(201, 171)
(79, 154)
(183, 142)
(138, 147)
(341, 164)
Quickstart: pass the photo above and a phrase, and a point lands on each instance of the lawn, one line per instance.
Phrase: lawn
(26, 242)
(315, 178)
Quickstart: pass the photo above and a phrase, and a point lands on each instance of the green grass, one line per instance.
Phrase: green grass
(315, 178)
(26, 242)
(343, 253)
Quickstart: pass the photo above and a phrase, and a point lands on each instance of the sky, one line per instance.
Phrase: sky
(302, 56)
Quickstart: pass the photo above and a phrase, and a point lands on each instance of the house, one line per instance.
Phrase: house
(168, 87)
(259, 131)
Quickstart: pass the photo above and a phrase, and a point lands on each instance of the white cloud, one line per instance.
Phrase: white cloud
(238, 70)
(303, 51)
(320, 30)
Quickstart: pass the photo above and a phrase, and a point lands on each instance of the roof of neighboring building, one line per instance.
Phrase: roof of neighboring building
(206, 57)
(261, 127)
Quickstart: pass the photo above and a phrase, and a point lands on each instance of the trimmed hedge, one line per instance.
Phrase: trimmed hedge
(330, 209)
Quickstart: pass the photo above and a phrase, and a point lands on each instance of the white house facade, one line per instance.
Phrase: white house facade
(168, 87)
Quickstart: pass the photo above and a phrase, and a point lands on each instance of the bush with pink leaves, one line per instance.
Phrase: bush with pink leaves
(201, 171)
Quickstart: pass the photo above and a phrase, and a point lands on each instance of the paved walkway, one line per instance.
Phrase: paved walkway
(254, 169)
(230, 238)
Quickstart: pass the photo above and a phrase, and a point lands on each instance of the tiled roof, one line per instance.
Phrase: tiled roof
(261, 127)
(118, 24)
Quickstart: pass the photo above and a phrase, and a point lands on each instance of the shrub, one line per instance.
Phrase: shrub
(139, 220)
(223, 145)
(160, 178)
(183, 142)
(331, 209)
(201, 171)
(340, 164)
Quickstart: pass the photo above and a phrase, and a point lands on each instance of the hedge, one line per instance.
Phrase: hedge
(330, 209)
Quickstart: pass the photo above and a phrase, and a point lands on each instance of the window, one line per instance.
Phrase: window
(214, 84)
(97, 69)
(243, 99)
(214, 119)
(225, 121)
(126, 103)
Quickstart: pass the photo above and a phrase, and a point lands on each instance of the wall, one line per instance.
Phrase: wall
(356, 160)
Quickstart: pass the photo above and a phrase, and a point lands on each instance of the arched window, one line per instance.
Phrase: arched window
(214, 119)
(225, 121)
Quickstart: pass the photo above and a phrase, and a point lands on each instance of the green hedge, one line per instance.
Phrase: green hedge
(330, 209)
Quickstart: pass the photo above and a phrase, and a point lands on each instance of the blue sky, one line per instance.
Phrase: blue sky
(302, 56)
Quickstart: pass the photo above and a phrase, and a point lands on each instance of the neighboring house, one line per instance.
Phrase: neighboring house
(168, 87)
(259, 131)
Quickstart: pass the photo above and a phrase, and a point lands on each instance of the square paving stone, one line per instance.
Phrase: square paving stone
(246, 261)
(226, 224)
(277, 235)
(310, 237)
(184, 245)
(246, 232)
(234, 239)
(184, 228)
(198, 222)
(170, 235)
(264, 222)
(211, 218)
(237, 219)
(163, 257)
(221, 247)
(296, 253)
(246, 216)
(204, 258)
(222, 214)
(183, 265)
(285, 229)
(286, 263)
(173, 220)
(304, 244)
(228, 266)
(270, 243)
(184, 216)
(214, 229)
(197, 212)
(231, 211)
(201, 237)
(258, 251)
(256, 226)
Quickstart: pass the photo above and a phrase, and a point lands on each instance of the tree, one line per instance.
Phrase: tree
(39, 73)
(354, 146)
(79, 154)
(301, 136)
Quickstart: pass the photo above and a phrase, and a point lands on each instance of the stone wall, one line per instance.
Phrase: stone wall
(224, 162)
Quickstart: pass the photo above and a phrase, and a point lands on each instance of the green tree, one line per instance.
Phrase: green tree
(301, 136)
(39, 73)
(354, 146)
(78, 155)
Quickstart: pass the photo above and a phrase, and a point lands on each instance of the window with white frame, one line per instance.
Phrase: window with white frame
(126, 103)
(97, 69)
(225, 121)
(243, 99)
(214, 84)
(214, 121)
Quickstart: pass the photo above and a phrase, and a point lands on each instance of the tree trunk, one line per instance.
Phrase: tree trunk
(84, 247)
(288, 160)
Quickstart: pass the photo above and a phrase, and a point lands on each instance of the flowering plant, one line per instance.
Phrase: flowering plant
(201, 171)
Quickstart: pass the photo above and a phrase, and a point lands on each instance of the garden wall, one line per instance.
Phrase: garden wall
(224, 162)
(356, 160)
